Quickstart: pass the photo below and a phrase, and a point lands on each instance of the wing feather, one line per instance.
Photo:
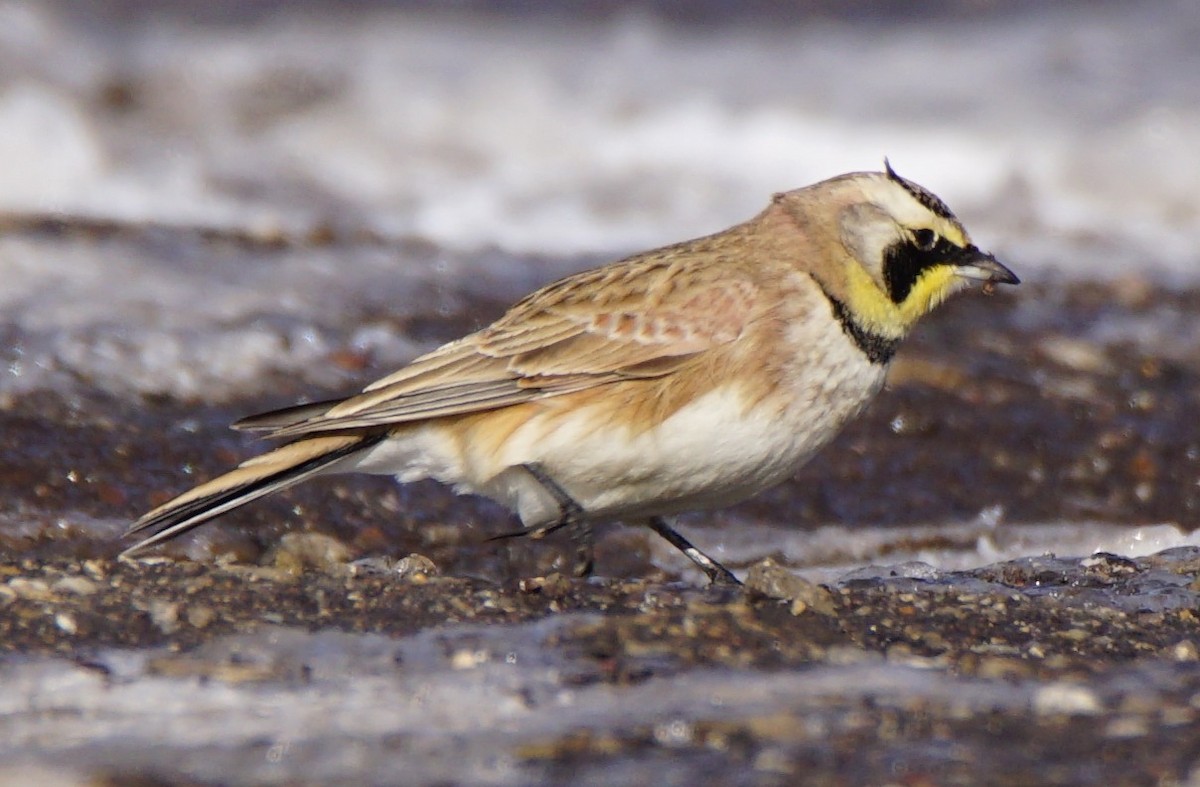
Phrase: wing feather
(646, 317)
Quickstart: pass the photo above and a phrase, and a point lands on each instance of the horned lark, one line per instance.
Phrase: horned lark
(683, 378)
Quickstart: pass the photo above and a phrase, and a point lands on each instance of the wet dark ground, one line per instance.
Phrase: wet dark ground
(1113, 688)
(1040, 670)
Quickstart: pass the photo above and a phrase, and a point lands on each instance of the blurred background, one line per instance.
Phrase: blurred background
(1063, 131)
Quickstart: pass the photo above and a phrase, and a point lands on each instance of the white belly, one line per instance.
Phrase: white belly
(712, 452)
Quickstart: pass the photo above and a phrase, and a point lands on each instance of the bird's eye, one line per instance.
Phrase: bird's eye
(925, 239)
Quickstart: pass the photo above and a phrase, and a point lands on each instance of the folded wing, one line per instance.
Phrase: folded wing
(656, 315)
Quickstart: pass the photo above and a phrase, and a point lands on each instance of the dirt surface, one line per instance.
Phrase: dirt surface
(1098, 659)
(1040, 670)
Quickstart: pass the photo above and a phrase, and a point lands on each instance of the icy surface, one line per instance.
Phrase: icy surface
(1053, 132)
(169, 312)
(823, 554)
(452, 705)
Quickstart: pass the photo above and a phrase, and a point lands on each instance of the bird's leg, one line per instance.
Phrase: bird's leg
(716, 573)
(570, 514)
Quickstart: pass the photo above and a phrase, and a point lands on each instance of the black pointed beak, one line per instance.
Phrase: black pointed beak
(981, 266)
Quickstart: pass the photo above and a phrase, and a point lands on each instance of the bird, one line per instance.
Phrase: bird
(685, 378)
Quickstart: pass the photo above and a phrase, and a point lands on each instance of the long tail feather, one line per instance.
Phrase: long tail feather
(256, 477)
